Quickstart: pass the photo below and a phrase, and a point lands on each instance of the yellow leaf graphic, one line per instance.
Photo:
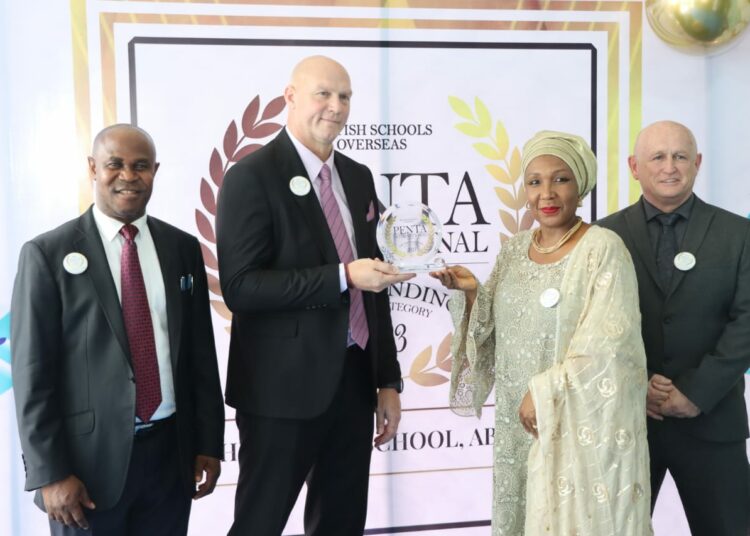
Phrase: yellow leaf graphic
(483, 114)
(499, 173)
(470, 129)
(461, 108)
(509, 221)
(501, 139)
(420, 362)
(522, 196)
(506, 197)
(515, 164)
(429, 379)
(487, 151)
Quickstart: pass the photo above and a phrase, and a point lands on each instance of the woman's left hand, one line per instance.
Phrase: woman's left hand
(527, 413)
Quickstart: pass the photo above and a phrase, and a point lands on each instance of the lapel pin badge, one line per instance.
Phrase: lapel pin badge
(549, 298)
(75, 263)
(299, 185)
(684, 261)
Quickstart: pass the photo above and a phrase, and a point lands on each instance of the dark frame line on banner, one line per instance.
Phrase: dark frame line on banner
(422, 528)
(370, 44)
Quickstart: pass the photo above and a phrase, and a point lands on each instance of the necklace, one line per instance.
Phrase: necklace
(544, 250)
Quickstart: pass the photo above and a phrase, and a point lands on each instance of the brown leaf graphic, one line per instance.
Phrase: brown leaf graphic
(420, 362)
(207, 197)
(222, 309)
(230, 140)
(209, 259)
(428, 379)
(204, 226)
(246, 150)
(527, 220)
(504, 238)
(213, 284)
(273, 108)
(215, 167)
(266, 129)
(443, 357)
(250, 115)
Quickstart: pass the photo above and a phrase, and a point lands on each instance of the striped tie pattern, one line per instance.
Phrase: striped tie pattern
(137, 317)
(357, 320)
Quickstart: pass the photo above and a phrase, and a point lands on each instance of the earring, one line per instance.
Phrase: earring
(528, 205)
(580, 202)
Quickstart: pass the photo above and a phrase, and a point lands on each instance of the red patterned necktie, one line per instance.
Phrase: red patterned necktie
(138, 326)
(357, 320)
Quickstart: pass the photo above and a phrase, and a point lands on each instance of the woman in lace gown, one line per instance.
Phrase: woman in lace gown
(556, 331)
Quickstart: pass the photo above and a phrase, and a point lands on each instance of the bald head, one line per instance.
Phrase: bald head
(126, 131)
(318, 98)
(665, 162)
(661, 129)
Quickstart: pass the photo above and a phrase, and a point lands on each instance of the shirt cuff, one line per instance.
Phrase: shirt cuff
(342, 278)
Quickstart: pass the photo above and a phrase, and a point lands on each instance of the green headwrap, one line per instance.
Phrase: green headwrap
(571, 149)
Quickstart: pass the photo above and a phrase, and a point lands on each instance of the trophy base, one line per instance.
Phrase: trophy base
(406, 268)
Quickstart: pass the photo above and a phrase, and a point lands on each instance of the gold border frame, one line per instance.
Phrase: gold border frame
(107, 21)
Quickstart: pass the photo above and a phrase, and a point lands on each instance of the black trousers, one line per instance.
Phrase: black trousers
(153, 502)
(712, 478)
(331, 453)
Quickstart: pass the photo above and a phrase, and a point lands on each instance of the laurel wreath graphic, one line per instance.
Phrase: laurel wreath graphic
(479, 124)
(235, 148)
(400, 253)
(420, 371)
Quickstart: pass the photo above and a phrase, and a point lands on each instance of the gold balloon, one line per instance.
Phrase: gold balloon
(698, 26)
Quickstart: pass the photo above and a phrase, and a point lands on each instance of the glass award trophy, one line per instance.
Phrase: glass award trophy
(409, 237)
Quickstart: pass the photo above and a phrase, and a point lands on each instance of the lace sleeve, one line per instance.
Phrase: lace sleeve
(473, 348)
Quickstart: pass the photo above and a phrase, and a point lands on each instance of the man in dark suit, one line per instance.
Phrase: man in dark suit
(692, 260)
(115, 377)
(312, 350)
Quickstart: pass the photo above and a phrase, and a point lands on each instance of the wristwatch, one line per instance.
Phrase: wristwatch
(397, 385)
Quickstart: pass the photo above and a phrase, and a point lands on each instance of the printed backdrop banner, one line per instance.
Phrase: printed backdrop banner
(443, 101)
(449, 137)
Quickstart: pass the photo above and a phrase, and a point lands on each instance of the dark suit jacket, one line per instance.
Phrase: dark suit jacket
(698, 332)
(279, 275)
(72, 373)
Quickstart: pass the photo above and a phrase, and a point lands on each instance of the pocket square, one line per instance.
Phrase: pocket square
(371, 212)
(186, 283)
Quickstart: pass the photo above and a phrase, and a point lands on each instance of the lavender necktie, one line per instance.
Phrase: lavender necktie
(357, 320)
(137, 316)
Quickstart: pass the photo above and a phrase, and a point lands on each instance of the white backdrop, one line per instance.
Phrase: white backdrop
(187, 93)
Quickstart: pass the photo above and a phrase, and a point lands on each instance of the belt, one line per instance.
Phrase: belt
(150, 428)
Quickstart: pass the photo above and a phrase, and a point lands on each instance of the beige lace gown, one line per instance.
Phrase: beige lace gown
(584, 363)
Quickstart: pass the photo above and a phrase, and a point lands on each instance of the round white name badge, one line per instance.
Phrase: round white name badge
(299, 185)
(684, 261)
(549, 298)
(75, 263)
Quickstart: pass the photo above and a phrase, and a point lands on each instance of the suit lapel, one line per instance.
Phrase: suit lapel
(90, 245)
(353, 198)
(697, 227)
(636, 222)
(171, 274)
(290, 165)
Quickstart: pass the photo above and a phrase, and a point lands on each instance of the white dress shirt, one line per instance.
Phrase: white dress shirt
(109, 230)
(312, 165)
